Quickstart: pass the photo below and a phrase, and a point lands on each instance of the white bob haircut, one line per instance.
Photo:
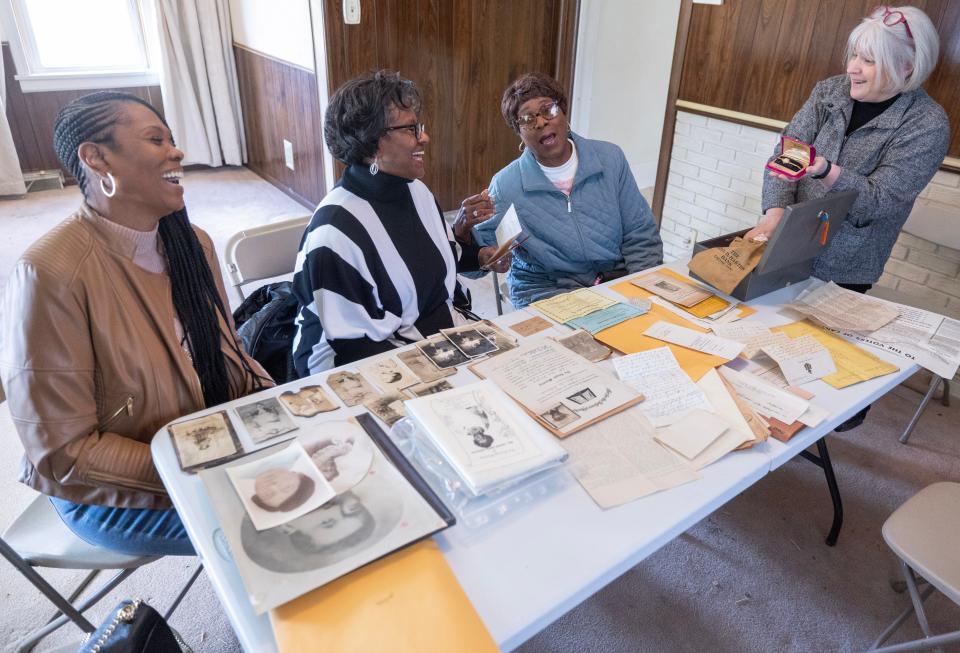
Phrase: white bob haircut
(903, 62)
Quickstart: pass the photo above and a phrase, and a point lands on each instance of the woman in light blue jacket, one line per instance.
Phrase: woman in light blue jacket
(576, 198)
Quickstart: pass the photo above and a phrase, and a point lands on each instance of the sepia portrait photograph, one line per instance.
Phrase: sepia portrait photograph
(265, 419)
(423, 389)
(308, 401)
(559, 416)
(351, 387)
(442, 352)
(497, 336)
(583, 343)
(389, 408)
(422, 366)
(388, 374)
(204, 440)
(468, 340)
(341, 450)
(279, 487)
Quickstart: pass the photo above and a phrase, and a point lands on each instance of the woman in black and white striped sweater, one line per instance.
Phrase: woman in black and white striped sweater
(377, 267)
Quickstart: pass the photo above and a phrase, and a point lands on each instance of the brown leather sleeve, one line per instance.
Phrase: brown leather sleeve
(48, 371)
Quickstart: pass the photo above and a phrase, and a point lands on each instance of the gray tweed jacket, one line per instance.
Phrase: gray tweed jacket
(889, 161)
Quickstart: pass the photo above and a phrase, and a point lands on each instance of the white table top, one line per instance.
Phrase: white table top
(526, 570)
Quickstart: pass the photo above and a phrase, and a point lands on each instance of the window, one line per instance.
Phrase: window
(78, 44)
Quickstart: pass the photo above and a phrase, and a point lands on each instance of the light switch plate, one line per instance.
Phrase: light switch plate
(351, 12)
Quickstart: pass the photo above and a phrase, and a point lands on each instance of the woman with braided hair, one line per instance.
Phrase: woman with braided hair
(115, 323)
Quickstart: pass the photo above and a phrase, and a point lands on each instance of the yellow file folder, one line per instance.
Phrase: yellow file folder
(409, 601)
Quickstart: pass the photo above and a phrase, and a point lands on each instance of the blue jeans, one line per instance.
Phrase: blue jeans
(134, 531)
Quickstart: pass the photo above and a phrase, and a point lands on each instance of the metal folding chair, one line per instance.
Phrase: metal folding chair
(264, 252)
(925, 534)
(39, 538)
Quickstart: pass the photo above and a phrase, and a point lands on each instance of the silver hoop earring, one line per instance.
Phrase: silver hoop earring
(374, 167)
(521, 146)
(113, 186)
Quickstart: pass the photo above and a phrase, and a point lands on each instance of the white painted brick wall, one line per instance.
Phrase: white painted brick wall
(715, 185)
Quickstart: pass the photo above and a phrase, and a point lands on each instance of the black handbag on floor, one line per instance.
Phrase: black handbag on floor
(134, 627)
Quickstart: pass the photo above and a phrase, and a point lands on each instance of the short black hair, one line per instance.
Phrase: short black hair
(359, 110)
(527, 87)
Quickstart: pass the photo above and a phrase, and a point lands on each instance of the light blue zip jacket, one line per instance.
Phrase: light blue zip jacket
(605, 224)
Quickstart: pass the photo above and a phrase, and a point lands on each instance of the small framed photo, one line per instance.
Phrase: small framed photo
(388, 407)
(280, 487)
(442, 352)
(432, 388)
(388, 374)
(351, 387)
(202, 441)
(308, 401)
(265, 419)
(559, 416)
(470, 341)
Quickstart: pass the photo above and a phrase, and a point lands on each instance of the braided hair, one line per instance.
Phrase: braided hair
(91, 118)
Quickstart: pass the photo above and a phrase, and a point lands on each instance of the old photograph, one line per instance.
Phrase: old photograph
(308, 401)
(265, 419)
(341, 451)
(204, 440)
(279, 487)
(380, 514)
(422, 366)
(583, 343)
(442, 352)
(388, 408)
(559, 416)
(388, 374)
(424, 389)
(351, 387)
(469, 341)
(497, 336)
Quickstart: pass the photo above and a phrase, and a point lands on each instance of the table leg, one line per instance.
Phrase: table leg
(823, 462)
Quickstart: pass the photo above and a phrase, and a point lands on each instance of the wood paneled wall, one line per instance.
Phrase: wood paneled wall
(462, 54)
(763, 57)
(32, 115)
(280, 101)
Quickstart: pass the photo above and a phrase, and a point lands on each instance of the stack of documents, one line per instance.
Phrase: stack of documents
(484, 436)
(587, 309)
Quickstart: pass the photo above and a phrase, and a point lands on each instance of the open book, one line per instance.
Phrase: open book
(509, 236)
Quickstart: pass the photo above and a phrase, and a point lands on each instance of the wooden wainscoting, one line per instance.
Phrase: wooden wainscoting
(763, 57)
(461, 54)
(32, 115)
(280, 102)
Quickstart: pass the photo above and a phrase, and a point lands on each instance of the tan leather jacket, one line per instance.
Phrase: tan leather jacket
(91, 364)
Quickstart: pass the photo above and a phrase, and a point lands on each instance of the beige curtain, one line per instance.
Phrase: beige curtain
(201, 97)
(11, 178)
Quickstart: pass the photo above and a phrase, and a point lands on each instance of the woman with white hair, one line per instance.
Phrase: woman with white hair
(875, 131)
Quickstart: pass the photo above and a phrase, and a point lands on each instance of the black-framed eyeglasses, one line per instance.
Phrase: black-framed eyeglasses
(548, 112)
(416, 128)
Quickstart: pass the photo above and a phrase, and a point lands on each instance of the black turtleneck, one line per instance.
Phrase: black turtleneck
(864, 112)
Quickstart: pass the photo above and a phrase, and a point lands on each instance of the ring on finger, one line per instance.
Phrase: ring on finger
(476, 213)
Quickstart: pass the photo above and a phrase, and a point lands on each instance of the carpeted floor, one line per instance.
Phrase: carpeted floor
(755, 576)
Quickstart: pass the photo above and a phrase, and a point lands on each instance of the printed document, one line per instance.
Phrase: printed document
(801, 359)
(854, 364)
(672, 289)
(766, 399)
(568, 306)
(561, 390)
(691, 339)
(605, 317)
(618, 460)
(839, 308)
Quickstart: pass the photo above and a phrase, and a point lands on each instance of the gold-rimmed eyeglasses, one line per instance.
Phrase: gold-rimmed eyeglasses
(416, 128)
(548, 112)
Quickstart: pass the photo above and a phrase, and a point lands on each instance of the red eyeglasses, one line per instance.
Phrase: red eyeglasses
(892, 18)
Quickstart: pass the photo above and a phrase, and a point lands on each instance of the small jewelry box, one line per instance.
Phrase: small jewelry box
(795, 157)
